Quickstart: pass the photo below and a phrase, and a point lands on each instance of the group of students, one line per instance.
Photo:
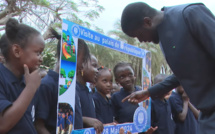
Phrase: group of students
(24, 109)
(96, 109)
(65, 118)
(173, 114)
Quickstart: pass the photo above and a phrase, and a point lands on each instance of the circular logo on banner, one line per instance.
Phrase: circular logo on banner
(75, 30)
(87, 131)
(140, 118)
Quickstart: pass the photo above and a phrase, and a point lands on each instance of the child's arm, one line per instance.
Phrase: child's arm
(183, 114)
(10, 116)
(40, 127)
(194, 110)
(92, 122)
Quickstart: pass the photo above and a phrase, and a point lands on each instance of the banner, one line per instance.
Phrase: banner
(67, 79)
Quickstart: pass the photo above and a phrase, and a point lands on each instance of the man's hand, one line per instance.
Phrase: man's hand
(151, 130)
(137, 96)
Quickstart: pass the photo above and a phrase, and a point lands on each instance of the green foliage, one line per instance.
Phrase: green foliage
(71, 74)
(49, 55)
(157, 57)
(41, 2)
(62, 73)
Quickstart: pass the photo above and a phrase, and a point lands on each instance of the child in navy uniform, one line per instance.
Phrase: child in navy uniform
(19, 77)
(161, 115)
(85, 102)
(82, 58)
(62, 124)
(184, 113)
(46, 109)
(124, 75)
(103, 106)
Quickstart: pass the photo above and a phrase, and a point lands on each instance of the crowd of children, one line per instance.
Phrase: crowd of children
(36, 110)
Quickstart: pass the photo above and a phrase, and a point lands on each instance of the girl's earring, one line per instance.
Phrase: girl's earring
(82, 73)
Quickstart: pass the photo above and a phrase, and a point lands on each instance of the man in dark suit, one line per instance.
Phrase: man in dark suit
(186, 37)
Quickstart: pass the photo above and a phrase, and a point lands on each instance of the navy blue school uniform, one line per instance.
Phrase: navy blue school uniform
(123, 112)
(10, 89)
(69, 120)
(104, 110)
(190, 125)
(86, 99)
(161, 116)
(46, 108)
(62, 123)
(78, 124)
(84, 105)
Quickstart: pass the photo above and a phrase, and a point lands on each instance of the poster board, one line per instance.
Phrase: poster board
(67, 78)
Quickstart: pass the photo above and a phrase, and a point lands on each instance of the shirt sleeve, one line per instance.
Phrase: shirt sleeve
(4, 102)
(153, 115)
(163, 87)
(175, 105)
(201, 23)
(44, 102)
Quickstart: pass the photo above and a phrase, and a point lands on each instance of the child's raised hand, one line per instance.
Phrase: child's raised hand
(33, 79)
(185, 97)
(137, 96)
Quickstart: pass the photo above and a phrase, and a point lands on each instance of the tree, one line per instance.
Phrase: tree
(43, 14)
(71, 74)
(62, 73)
(158, 60)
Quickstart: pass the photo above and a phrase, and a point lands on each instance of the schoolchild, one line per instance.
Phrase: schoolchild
(19, 77)
(82, 57)
(161, 114)
(185, 114)
(85, 102)
(103, 106)
(69, 121)
(46, 108)
(86, 72)
(58, 122)
(62, 123)
(116, 88)
(124, 75)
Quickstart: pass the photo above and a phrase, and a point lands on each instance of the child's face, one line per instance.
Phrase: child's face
(90, 70)
(63, 115)
(104, 82)
(31, 54)
(125, 77)
(115, 88)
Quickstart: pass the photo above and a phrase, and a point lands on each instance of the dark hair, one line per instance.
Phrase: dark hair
(19, 33)
(57, 36)
(121, 64)
(133, 15)
(83, 48)
(159, 78)
(4, 46)
(16, 33)
(102, 69)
